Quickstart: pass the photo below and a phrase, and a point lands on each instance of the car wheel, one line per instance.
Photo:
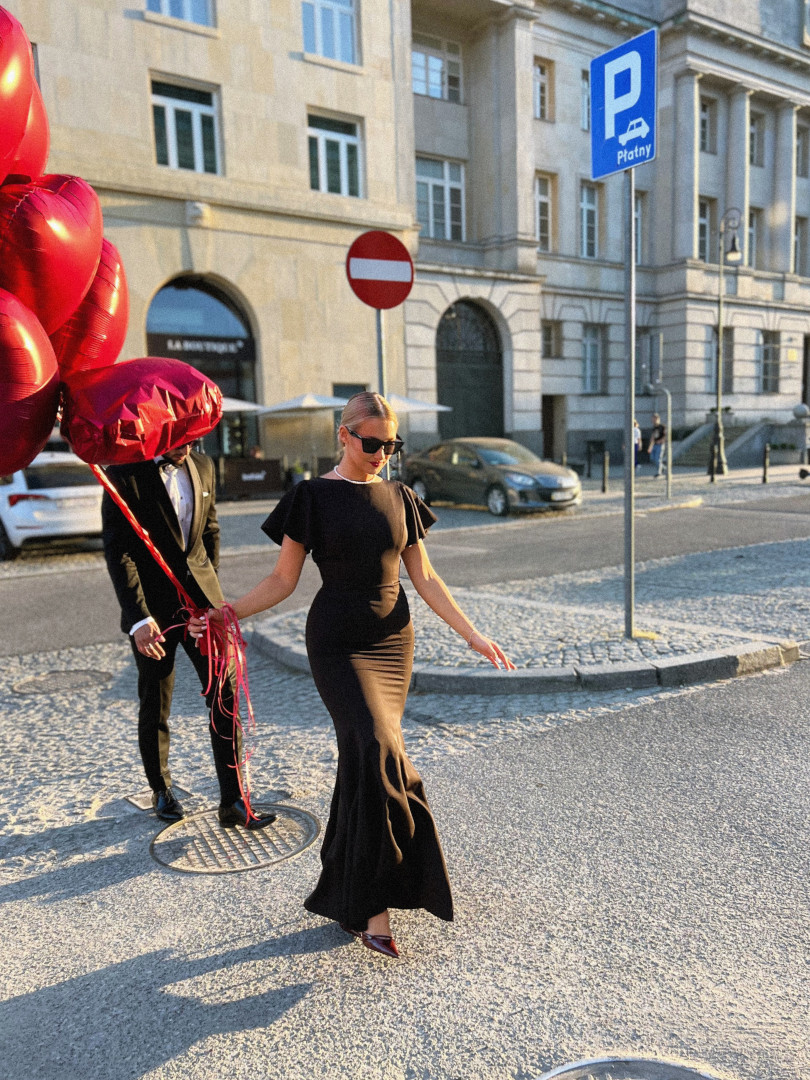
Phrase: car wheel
(497, 502)
(419, 488)
(7, 549)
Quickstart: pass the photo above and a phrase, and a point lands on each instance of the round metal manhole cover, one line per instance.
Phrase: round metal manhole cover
(627, 1069)
(199, 845)
(61, 682)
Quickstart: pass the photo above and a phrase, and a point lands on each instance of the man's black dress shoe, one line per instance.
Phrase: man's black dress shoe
(166, 806)
(231, 816)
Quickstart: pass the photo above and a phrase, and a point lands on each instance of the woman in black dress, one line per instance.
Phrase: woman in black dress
(380, 847)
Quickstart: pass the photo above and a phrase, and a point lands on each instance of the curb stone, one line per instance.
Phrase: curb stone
(696, 667)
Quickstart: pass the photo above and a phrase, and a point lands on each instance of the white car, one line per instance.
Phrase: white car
(55, 497)
(636, 129)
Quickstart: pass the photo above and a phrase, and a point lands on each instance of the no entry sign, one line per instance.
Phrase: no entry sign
(379, 269)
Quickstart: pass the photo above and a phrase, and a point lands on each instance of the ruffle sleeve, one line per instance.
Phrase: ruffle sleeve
(418, 516)
(293, 517)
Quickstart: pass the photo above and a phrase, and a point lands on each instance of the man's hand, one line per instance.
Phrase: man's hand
(147, 640)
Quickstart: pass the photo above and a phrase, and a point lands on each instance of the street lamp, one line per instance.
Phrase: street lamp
(731, 221)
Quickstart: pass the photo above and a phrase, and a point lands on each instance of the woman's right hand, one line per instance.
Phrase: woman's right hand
(198, 624)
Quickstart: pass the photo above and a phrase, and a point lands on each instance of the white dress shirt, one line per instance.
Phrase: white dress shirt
(177, 482)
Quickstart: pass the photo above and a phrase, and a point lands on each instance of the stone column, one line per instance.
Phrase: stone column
(738, 169)
(686, 145)
(783, 207)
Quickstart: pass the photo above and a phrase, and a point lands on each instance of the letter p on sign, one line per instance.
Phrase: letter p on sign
(630, 62)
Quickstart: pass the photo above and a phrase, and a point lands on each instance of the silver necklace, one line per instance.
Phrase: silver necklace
(348, 481)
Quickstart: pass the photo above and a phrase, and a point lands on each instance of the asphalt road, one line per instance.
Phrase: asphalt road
(59, 600)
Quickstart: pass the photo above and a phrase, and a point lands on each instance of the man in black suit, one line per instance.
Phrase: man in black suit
(173, 499)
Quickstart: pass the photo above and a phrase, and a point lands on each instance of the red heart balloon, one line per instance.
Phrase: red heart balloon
(137, 409)
(50, 244)
(32, 154)
(16, 84)
(94, 334)
(29, 385)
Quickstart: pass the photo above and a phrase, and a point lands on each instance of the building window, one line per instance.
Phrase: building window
(756, 139)
(334, 156)
(543, 90)
(644, 372)
(330, 29)
(551, 342)
(585, 101)
(767, 361)
(708, 125)
(185, 123)
(196, 11)
(802, 151)
(593, 349)
(754, 235)
(436, 68)
(588, 221)
(440, 198)
(544, 222)
(800, 247)
(711, 359)
(639, 221)
(705, 222)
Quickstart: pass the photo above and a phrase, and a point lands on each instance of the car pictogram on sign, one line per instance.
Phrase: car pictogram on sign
(636, 129)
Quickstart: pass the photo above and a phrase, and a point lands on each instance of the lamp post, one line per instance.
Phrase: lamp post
(731, 221)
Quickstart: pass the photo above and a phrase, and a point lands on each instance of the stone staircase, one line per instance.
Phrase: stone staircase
(698, 453)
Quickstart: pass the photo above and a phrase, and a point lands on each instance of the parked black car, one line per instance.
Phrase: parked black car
(501, 474)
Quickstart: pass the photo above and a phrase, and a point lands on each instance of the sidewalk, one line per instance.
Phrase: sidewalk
(727, 612)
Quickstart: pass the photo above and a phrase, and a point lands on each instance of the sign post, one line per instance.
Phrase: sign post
(623, 114)
(380, 273)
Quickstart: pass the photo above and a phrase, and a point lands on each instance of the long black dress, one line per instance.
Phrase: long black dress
(380, 848)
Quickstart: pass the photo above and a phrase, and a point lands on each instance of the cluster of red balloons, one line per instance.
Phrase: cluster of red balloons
(64, 307)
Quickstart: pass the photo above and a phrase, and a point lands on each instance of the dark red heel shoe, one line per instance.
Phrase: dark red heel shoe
(381, 944)
(348, 930)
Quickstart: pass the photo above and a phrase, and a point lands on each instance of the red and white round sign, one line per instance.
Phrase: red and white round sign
(379, 269)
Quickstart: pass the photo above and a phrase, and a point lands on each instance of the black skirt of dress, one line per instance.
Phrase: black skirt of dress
(380, 848)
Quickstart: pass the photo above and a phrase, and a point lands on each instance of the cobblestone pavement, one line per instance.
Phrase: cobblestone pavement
(139, 972)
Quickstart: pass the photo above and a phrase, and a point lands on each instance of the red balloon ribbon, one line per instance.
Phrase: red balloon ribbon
(223, 646)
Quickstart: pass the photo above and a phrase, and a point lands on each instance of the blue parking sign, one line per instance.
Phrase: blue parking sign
(623, 106)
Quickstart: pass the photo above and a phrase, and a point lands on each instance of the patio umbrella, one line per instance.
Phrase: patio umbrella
(305, 403)
(410, 405)
(235, 405)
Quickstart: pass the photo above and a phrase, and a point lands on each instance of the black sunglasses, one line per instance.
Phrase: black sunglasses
(371, 446)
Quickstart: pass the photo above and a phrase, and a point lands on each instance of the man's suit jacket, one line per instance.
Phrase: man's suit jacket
(141, 586)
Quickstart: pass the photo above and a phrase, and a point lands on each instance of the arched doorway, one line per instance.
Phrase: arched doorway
(469, 372)
(192, 319)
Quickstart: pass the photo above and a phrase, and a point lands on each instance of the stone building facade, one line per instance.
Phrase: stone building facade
(239, 146)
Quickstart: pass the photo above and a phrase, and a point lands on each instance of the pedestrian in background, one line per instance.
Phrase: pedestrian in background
(380, 849)
(636, 444)
(657, 444)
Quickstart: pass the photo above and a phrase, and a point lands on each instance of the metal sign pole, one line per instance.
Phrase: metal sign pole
(380, 355)
(629, 403)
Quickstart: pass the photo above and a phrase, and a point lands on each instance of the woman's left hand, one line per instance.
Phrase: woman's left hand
(491, 650)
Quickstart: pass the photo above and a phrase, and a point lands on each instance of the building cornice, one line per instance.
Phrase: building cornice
(715, 30)
(600, 11)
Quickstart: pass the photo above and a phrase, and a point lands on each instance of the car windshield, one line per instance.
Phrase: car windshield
(511, 454)
(64, 474)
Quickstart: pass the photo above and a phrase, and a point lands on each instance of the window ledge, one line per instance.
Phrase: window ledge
(181, 24)
(337, 65)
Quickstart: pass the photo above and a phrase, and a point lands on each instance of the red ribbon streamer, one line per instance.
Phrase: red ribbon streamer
(224, 646)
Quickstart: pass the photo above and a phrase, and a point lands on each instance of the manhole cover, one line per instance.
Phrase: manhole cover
(61, 682)
(199, 845)
(626, 1069)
